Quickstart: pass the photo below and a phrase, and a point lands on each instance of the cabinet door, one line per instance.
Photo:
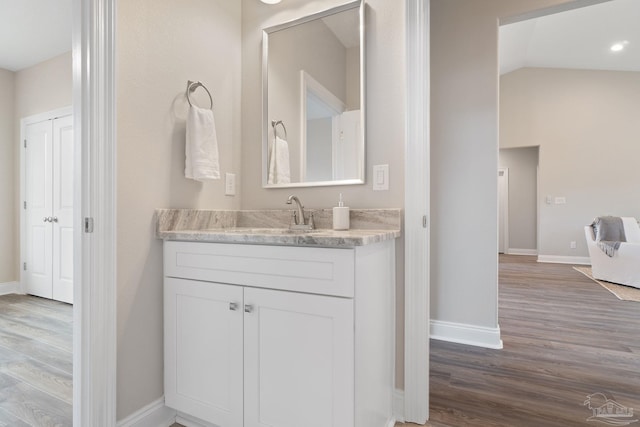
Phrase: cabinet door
(203, 350)
(299, 352)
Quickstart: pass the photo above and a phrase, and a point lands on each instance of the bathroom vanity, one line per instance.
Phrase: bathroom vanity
(269, 327)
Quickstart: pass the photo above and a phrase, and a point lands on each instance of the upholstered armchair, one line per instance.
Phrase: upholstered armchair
(624, 266)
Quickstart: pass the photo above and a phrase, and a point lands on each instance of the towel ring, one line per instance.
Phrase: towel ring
(192, 86)
(274, 124)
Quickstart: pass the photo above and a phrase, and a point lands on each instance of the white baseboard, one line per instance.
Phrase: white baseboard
(516, 251)
(398, 405)
(190, 421)
(461, 333)
(155, 414)
(9, 288)
(557, 259)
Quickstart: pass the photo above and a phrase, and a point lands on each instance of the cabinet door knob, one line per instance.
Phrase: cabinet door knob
(248, 308)
(233, 306)
(46, 219)
(53, 219)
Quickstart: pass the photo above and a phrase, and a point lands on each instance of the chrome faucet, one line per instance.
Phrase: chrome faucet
(298, 215)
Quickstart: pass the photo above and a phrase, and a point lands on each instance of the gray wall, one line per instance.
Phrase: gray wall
(464, 156)
(160, 45)
(8, 255)
(586, 124)
(523, 173)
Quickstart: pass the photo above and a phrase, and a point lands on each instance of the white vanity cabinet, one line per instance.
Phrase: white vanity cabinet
(277, 336)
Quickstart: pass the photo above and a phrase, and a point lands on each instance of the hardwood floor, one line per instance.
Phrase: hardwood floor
(36, 337)
(565, 337)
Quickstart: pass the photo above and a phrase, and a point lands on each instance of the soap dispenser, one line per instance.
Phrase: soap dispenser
(341, 216)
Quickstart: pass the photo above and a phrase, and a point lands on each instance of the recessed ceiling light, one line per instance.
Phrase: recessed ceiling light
(270, 1)
(619, 46)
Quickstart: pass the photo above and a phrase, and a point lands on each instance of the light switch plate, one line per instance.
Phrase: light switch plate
(230, 184)
(560, 200)
(381, 177)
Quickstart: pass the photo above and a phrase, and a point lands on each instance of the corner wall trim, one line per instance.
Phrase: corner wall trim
(7, 288)
(398, 405)
(558, 259)
(516, 251)
(155, 414)
(461, 333)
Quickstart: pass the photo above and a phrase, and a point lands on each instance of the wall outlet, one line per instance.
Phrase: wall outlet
(573, 245)
(230, 184)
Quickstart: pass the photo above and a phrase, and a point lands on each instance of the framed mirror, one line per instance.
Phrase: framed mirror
(313, 109)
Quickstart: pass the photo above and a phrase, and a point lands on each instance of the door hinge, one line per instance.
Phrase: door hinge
(25, 143)
(24, 266)
(24, 204)
(424, 221)
(88, 225)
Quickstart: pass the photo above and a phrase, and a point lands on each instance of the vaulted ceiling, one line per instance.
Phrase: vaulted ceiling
(579, 38)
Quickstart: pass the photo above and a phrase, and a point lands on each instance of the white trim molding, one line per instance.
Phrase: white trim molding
(155, 414)
(7, 288)
(479, 336)
(94, 311)
(559, 259)
(398, 405)
(416, 215)
(515, 251)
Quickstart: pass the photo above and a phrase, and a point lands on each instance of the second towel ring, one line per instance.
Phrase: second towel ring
(275, 123)
(192, 86)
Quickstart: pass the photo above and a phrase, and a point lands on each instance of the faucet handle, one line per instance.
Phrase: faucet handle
(312, 223)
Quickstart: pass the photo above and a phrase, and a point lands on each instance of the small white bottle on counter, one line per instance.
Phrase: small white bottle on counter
(341, 216)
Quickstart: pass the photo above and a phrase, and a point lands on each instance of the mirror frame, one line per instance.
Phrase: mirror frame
(355, 4)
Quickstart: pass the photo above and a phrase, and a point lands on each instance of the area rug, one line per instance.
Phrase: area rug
(625, 293)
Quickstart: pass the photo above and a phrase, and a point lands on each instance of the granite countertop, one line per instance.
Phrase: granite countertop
(271, 227)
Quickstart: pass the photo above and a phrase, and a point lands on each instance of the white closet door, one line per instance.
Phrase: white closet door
(62, 280)
(39, 238)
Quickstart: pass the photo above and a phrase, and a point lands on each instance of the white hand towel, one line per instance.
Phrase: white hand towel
(201, 148)
(279, 168)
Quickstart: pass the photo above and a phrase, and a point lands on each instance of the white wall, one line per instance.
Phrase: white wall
(523, 174)
(160, 45)
(386, 98)
(586, 124)
(8, 254)
(464, 156)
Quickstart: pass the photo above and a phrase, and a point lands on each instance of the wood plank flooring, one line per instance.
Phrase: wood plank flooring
(565, 337)
(36, 338)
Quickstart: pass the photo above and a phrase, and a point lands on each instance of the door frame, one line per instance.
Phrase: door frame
(24, 122)
(503, 197)
(416, 215)
(94, 311)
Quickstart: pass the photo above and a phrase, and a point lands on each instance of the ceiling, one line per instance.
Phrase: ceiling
(32, 31)
(579, 38)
